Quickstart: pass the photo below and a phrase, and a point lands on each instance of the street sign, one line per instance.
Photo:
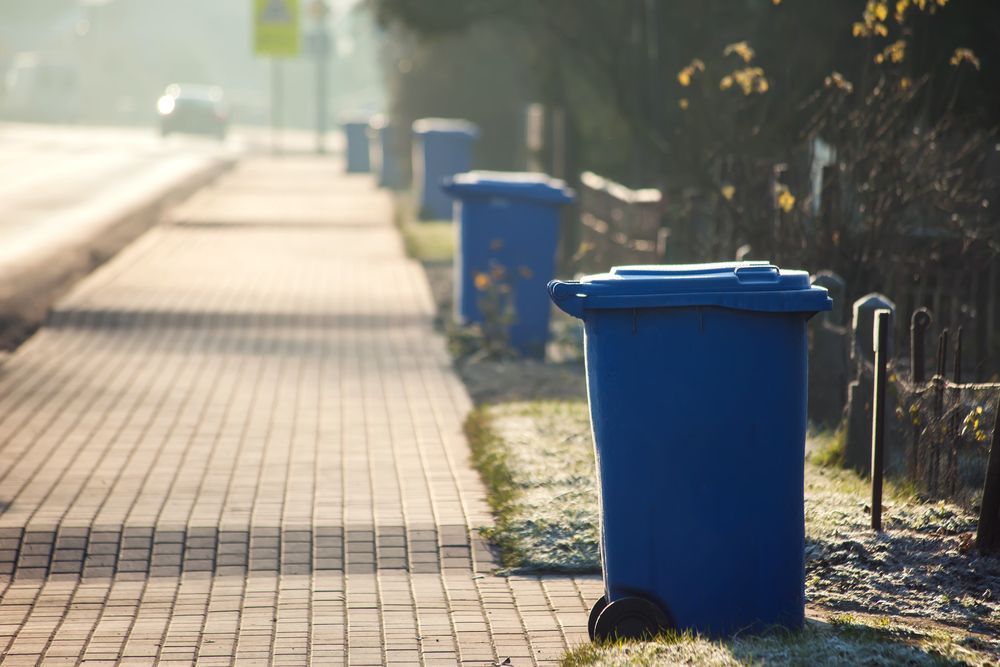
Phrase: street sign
(276, 28)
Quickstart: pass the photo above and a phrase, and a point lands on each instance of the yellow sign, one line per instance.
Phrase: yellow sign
(276, 28)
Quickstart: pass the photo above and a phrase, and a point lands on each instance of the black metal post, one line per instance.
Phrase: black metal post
(919, 323)
(988, 531)
(881, 340)
(952, 476)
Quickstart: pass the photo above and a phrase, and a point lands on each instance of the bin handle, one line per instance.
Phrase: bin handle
(565, 294)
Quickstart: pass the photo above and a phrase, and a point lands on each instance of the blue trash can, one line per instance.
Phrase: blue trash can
(442, 147)
(356, 133)
(696, 376)
(508, 233)
(383, 159)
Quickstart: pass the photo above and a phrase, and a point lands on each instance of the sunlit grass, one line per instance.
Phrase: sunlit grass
(430, 241)
(844, 640)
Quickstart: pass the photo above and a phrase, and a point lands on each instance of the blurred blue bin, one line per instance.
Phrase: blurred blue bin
(508, 234)
(696, 376)
(356, 133)
(381, 147)
(442, 147)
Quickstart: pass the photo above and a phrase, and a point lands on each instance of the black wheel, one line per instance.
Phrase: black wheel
(595, 611)
(630, 618)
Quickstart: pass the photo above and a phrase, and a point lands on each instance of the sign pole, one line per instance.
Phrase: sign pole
(321, 93)
(276, 36)
(319, 38)
(277, 99)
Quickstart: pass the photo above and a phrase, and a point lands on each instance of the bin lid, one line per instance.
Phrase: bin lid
(354, 118)
(756, 286)
(445, 126)
(531, 186)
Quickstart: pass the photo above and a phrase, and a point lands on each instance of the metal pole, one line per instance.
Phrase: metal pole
(918, 331)
(322, 50)
(918, 327)
(277, 100)
(955, 434)
(988, 530)
(881, 340)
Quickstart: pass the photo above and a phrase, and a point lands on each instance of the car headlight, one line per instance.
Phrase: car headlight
(165, 105)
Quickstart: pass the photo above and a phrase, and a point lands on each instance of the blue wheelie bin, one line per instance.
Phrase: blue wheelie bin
(508, 232)
(356, 133)
(381, 147)
(696, 376)
(442, 147)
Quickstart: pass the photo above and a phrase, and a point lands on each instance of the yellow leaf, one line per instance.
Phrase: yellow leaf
(905, 83)
(964, 56)
(901, 7)
(741, 49)
(726, 83)
(786, 200)
(482, 281)
(881, 30)
(837, 80)
(683, 103)
(860, 30)
(728, 191)
(776, 2)
(685, 75)
(881, 11)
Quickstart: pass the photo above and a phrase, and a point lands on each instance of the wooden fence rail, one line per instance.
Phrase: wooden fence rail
(618, 225)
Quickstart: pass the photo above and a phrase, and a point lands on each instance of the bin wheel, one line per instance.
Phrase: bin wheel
(630, 618)
(595, 611)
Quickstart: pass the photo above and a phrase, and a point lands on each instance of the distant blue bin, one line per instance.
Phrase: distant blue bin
(356, 133)
(696, 376)
(442, 147)
(381, 149)
(508, 231)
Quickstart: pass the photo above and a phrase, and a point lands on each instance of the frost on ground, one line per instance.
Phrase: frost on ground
(822, 643)
(924, 565)
(537, 458)
(538, 462)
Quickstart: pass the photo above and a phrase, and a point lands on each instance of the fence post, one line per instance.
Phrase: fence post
(988, 531)
(880, 335)
(859, 395)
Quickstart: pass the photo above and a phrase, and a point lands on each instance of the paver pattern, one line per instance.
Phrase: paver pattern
(240, 441)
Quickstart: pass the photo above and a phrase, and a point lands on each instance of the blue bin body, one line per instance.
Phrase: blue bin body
(383, 160)
(508, 230)
(696, 377)
(442, 147)
(356, 133)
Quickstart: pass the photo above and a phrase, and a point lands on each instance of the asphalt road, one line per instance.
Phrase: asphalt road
(54, 179)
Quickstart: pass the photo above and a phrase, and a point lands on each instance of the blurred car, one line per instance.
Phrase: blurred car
(193, 109)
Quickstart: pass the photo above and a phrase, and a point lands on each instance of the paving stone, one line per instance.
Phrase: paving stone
(241, 438)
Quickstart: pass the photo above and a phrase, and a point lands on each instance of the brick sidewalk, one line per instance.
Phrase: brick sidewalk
(241, 441)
